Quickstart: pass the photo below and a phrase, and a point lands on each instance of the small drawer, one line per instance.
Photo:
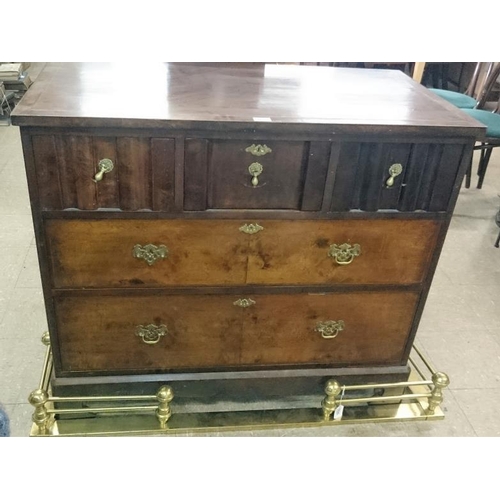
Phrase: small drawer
(111, 334)
(250, 174)
(138, 172)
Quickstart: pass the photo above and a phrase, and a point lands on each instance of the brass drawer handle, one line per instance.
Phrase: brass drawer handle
(105, 166)
(344, 254)
(150, 253)
(330, 329)
(244, 302)
(394, 171)
(251, 228)
(151, 334)
(255, 170)
(258, 150)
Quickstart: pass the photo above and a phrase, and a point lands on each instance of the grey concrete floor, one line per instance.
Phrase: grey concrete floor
(459, 332)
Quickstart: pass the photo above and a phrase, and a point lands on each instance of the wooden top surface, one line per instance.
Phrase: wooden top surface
(228, 97)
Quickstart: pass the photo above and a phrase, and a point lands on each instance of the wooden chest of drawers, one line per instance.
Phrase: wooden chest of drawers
(277, 219)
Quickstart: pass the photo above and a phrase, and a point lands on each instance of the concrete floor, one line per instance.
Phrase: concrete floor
(459, 332)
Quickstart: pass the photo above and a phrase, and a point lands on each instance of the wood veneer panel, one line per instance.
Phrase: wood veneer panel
(98, 334)
(100, 253)
(296, 252)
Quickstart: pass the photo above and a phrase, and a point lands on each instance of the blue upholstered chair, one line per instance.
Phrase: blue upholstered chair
(477, 90)
(492, 140)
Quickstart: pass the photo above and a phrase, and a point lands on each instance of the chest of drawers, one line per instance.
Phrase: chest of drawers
(264, 223)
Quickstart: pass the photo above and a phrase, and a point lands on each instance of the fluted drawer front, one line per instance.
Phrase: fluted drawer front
(176, 332)
(126, 253)
(142, 176)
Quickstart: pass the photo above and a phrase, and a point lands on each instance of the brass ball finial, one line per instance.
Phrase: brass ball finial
(45, 338)
(38, 397)
(332, 388)
(165, 394)
(440, 379)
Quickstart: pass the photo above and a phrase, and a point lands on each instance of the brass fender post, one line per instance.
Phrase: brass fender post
(164, 396)
(38, 398)
(440, 381)
(330, 403)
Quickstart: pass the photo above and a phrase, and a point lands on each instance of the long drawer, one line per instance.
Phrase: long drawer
(145, 253)
(154, 333)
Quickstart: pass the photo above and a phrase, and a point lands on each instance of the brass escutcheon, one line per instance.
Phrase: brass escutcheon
(394, 171)
(330, 329)
(344, 253)
(150, 253)
(105, 166)
(258, 149)
(151, 334)
(255, 170)
(244, 302)
(251, 228)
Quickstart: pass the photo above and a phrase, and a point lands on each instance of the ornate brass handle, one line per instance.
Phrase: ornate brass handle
(251, 228)
(151, 334)
(394, 171)
(330, 329)
(258, 150)
(105, 166)
(255, 170)
(150, 253)
(244, 302)
(344, 254)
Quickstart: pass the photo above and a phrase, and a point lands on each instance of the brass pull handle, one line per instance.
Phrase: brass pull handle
(151, 334)
(255, 170)
(329, 329)
(258, 150)
(251, 228)
(394, 171)
(105, 166)
(344, 254)
(150, 253)
(244, 302)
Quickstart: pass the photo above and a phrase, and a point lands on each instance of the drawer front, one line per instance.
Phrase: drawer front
(347, 251)
(146, 253)
(142, 175)
(254, 175)
(423, 180)
(169, 332)
(212, 252)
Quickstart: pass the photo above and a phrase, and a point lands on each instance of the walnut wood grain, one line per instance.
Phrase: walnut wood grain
(296, 252)
(258, 97)
(97, 334)
(99, 253)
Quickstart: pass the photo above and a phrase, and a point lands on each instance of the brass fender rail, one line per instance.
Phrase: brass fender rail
(151, 414)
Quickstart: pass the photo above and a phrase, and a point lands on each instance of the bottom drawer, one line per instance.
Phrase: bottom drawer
(155, 333)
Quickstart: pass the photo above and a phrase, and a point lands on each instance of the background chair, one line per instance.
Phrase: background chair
(491, 119)
(477, 91)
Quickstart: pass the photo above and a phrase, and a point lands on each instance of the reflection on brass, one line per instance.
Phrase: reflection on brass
(329, 329)
(344, 253)
(38, 398)
(150, 253)
(329, 404)
(46, 338)
(164, 396)
(394, 171)
(258, 150)
(255, 170)
(151, 334)
(251, 228)
(440, 381)
(105, 166)
(244, 302)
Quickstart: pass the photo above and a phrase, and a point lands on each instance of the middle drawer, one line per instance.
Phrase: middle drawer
(156, 253)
